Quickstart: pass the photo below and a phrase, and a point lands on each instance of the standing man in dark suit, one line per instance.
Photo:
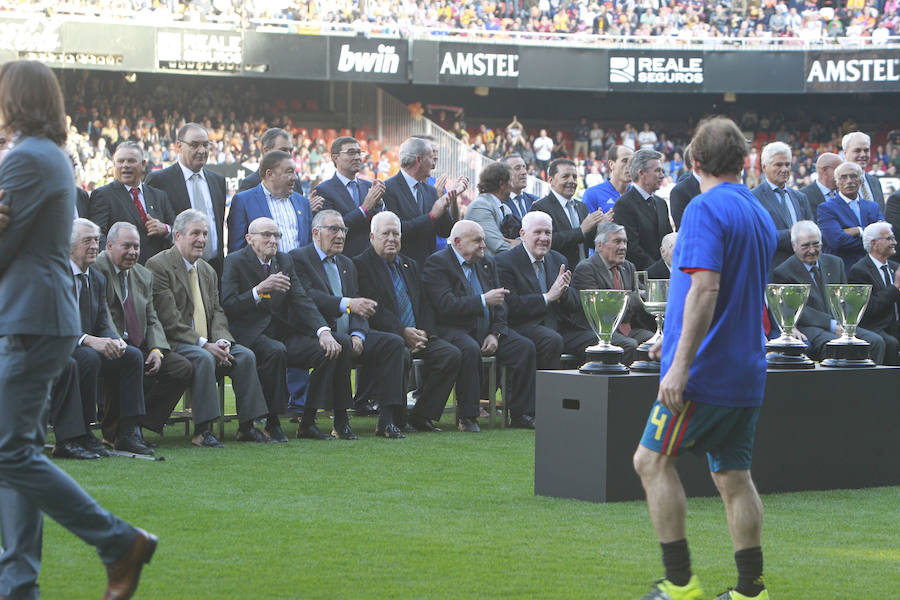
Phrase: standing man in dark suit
(189, 185)
(892, 211)
(393, 281)
(573, 223)
(331, 281)
(274, 198)
(882, 314)
(82, 201)
(540, 306)
(809, 265)
(270, 313)
(126, 199)
(685, 190)
(100, 352)
(464, 290)
(857, 147)
(784, 205)
(186, 297)
(662, 269)
(843, 218)
(608, 269)
(423, 214)
(519, 201)
(644, 216)
(38, 330)
(824, 187)
(357, 200)
(129, 297)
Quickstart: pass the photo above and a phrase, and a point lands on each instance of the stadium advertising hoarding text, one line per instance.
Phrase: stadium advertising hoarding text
(370, 60)
(199, 51)
(657, 71)
(861, 71)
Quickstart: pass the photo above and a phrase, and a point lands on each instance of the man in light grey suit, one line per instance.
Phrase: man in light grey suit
(39, 323)
(488, 209)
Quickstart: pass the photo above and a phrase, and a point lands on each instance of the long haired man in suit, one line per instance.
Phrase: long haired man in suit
(644, 215)
(857, 147)
(519, 201)
(489, 210)
(39, 326)
(882, 314)
(824, 188)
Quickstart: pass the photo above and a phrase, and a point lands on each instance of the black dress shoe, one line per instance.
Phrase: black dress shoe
(313, 433)
(130, 442)
(206, 440)
(522, 422)
(72, 449)
(276, 434)
(469, 425)
(89, 442)
(422, 424)
(392, 432)
(251, 435)
(344, 432)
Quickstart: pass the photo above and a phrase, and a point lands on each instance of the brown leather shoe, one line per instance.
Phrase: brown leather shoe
(123, 575)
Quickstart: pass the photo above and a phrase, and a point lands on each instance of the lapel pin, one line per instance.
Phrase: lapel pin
(405, 265)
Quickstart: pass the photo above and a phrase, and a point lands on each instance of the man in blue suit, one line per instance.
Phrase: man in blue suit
(843, 219)
(519, 201)
(274, 198)
(784, 205)
(356, 199)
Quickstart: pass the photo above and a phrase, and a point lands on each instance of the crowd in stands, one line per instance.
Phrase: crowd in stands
(676, 20)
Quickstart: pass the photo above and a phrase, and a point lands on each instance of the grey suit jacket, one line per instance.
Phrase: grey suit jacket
(37, 292)
(783, 226)
(877, 193)
(484, 211)
(593, 274)
(814, 197)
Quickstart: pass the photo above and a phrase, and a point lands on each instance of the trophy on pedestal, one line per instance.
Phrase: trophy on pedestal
(786, 302)
(604, 310)
(848, 303)
(657, 293)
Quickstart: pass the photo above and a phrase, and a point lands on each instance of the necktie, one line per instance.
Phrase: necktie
(817, 281)
(198, 202)
(353, 188)
(197, 299)
(420, 196)
(266, 269)
(520, 202)
(407, 317)
(334, 282)
(573, 216)
(84, 303)
(864, 189)
(780, 192)
(854, 204)
(541, 271)
(831, 195)
(133, 333)
(504, 210)
(624, 328)
(135, 196)
(482, 325)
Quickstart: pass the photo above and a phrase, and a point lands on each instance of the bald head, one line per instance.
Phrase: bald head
(467, 238)
(263, 236)
(825, 165)
(667, 247)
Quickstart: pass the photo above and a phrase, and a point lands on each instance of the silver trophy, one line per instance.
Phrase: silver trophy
(786, 302)
(848, 303)
(657, 293)
(604, 310)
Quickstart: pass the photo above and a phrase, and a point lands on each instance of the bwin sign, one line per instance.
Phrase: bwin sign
(386, 60)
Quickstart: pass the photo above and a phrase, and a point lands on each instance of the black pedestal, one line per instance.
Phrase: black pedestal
(819, 429)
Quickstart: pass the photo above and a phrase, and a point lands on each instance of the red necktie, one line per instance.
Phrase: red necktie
(624, 328)
(132, 324)
(135, 195)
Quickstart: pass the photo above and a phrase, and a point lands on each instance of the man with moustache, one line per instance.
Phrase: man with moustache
(857, 147)
(824, 187)
(540, 305)
(644, 215)
(127, 199)
(573, 223)
(393, 281)
(603, 196)
(882, 314)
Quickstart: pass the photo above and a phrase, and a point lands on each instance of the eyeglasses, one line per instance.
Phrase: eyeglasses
(268, 234)
(195, 145)
(809, 245)
(889, 238)
(334, 228)
(355, 152)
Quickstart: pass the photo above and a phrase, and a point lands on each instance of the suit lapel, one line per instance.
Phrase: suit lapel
(526, 268)
(127, 201)
(412, 206)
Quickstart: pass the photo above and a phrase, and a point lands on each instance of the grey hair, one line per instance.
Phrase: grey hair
(871, 232)
(113, 234)
(535, 215)
(186, 217)
(320, 216)
(413, 148)
(848, 139)
(267, 140)
(605, 229)
(801, 227)
(79, 224)
(668, 240)
(384, 215)
(849, 165)
(772, 150)
(640, 160)
(129, 144)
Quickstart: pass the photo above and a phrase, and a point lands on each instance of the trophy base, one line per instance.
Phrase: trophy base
(780, 360)
(848, 356)
(646, 366)
(604, 361)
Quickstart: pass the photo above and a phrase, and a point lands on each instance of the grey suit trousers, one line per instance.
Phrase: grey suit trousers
(248, 393)
(30, 484)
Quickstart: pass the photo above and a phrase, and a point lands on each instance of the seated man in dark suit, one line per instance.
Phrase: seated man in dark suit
(393, 281)
(464, 290)
(607, 269)
(687, 188)
(186, 298)
(269, 312)
(67, 418)
(809, 265)
(127, 199)
(102, 353)
(662, 269)
(331, 281)
(356, 199)
(129, 297)
(539, 303)
(824, 188)
(644, 216)
(882, 314)
(573, 224)
(842, 219)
